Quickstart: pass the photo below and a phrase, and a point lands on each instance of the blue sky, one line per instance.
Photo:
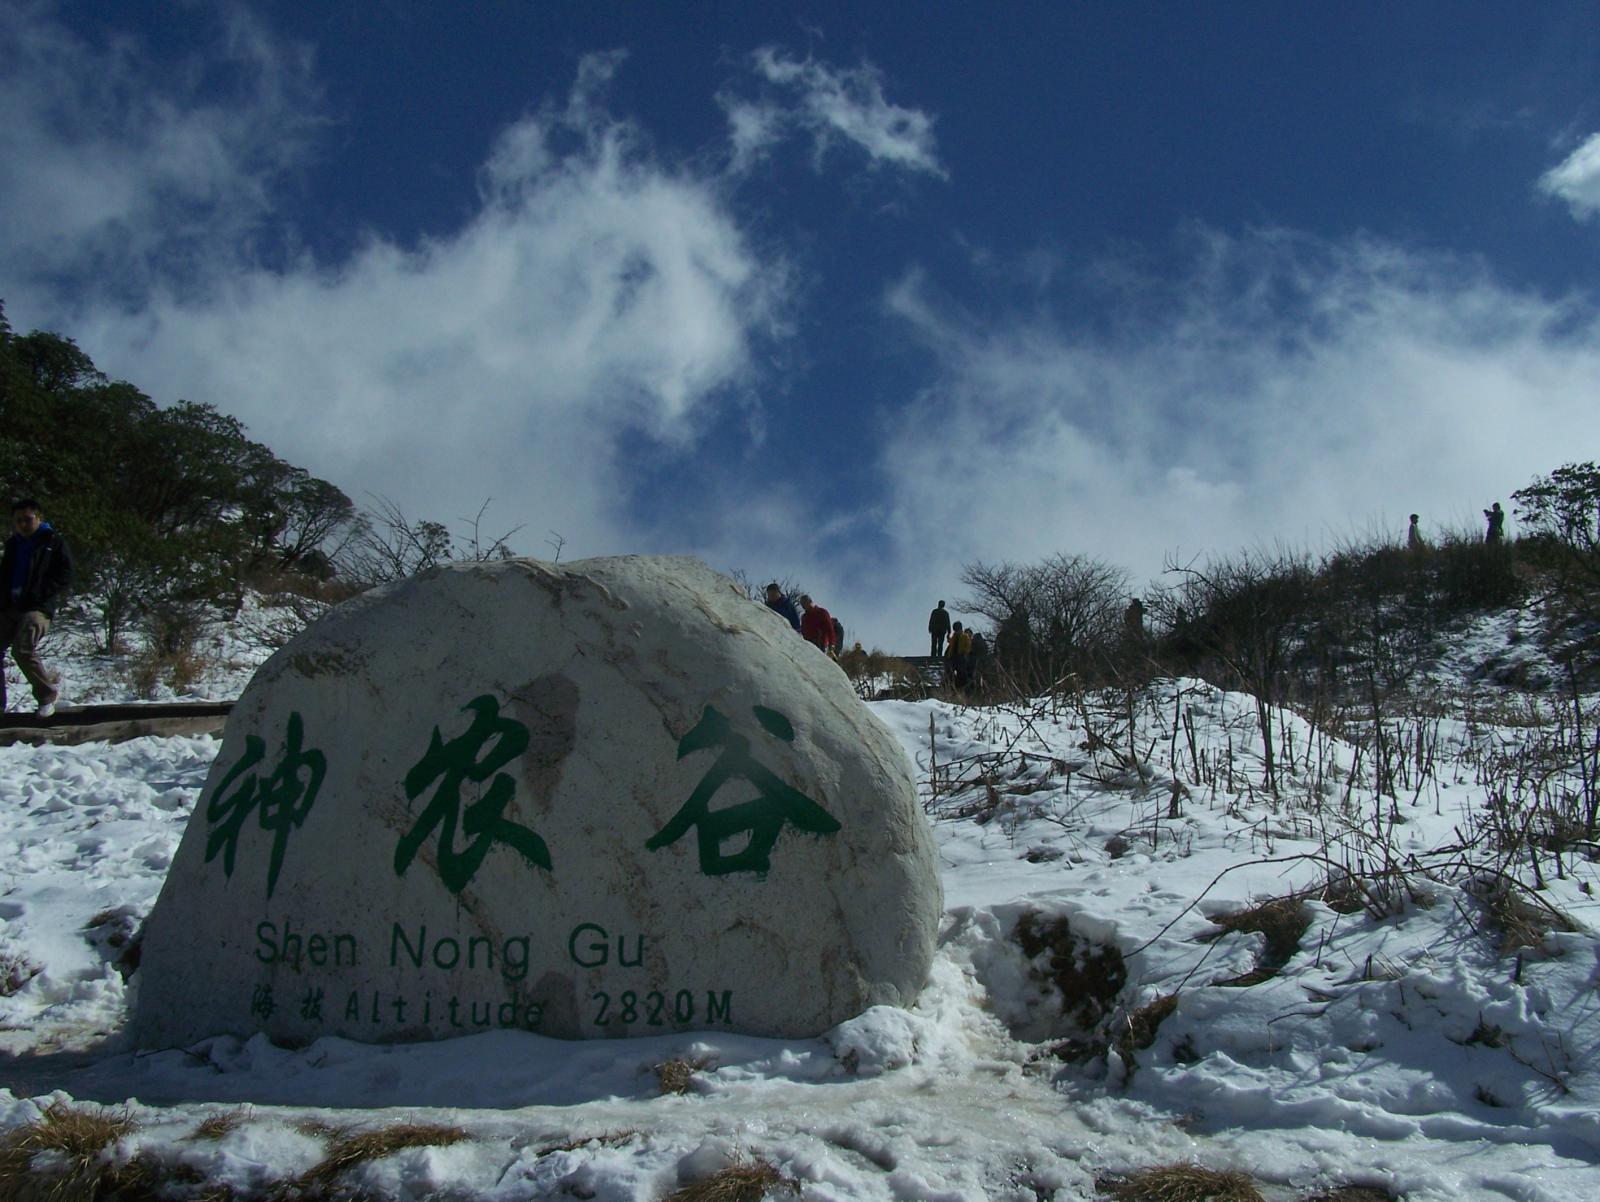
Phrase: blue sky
(851, 294)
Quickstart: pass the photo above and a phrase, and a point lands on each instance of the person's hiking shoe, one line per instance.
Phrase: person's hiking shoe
(48, 708)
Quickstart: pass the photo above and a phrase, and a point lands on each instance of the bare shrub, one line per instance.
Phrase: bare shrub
(173, 631)
(385, 545)
(1060, 616)
(1242, 618)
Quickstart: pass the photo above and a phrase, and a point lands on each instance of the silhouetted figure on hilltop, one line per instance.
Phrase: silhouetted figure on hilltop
(1414, 539)
(938, 628)
(1133, 619)
(1497, 524)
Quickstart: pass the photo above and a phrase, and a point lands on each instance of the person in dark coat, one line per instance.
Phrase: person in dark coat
(780, 604)
(978, 661)
(938, 628)
(1133, 619)
(1497, 524)
(957, 655)
(35, 573)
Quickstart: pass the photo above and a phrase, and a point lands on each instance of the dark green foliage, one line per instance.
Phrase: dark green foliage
(1563, 511)
(164, 507)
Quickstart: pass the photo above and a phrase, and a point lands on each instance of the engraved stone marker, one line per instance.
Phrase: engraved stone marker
(614, 797)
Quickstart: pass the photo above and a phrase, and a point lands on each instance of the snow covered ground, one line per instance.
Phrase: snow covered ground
(1093, 1010)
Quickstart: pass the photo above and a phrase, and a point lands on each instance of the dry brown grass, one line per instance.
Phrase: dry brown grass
(76, 1169)
(218, 1126)
(348, 1151)
(745, 1181)
(1181, 1183)
(606, 1139)
(1281, 921)
(1355, 1193)
(15, 972)
(674, 1076)
(1143, 1023)
(1516, 917)
(1344, 893)
(1088, 975)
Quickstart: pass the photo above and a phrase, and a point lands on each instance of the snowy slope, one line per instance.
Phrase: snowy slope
(1398, 1049)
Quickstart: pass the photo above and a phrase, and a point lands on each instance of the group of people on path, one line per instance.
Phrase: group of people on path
(965, 652)
(813, 623)
(36, 570)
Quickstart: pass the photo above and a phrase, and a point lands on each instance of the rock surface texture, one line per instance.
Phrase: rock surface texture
(614, 797)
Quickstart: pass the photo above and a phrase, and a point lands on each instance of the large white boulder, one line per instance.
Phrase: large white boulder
(612, 797)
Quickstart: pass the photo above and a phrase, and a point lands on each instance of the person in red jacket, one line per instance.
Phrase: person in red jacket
(816, 624)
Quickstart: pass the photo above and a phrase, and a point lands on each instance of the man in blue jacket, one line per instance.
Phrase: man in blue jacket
(780, 604)
(35, 573)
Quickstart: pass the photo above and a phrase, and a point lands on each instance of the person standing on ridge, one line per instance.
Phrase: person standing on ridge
(816, 624)
(1414, 541)
(1497, 524)
(957, 653)
(1133, 619)
(781, 605)
(35, 573)
(938, 628)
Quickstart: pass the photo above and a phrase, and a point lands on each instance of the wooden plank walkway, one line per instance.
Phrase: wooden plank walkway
(72, 724)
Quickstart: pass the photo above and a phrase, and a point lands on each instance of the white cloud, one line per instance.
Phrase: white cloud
(831, 106)
(1576, 180)
(108, 163)
(595, 294)
(1285, 389)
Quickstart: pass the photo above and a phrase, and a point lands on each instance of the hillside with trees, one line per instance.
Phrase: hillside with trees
(176, 514)
(166, 507)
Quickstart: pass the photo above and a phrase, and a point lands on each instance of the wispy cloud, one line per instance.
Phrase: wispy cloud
(109, 166)
(1576, 180)
(831, 106)
(1283, 388)
(594, 295)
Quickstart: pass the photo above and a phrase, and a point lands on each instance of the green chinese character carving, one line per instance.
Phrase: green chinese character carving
(280, 804)
(311, 1005)
(761, 818)
(483, 822)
